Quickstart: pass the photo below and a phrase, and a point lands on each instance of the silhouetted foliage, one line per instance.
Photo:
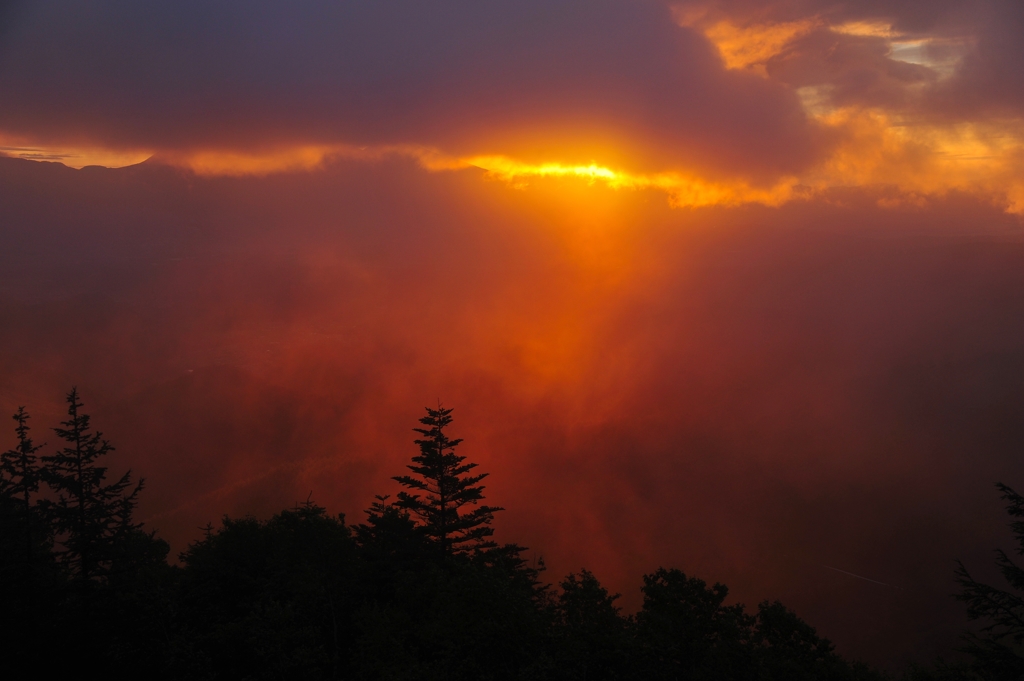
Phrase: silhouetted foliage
(592, 637)
(90, 515)
(29, 576)
(106, 593)
(788, 649)
(19, 481)
(419, 590)
(687, 630)
(389, 535)
(441, 477)
(478, 613)
(998, 649)
(269, 600)
(940, 671)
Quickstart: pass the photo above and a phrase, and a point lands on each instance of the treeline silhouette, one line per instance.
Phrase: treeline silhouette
(417, 590)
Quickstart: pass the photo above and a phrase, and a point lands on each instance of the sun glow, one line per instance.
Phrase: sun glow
(874, 149)
(685, 190)
(71, 155)
(908, 161)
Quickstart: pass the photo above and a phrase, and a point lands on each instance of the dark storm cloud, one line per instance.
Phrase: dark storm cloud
(472, 75)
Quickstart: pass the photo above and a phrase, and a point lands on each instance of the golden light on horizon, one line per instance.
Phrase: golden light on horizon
(860, 137)
(873, 149)
(71, 155)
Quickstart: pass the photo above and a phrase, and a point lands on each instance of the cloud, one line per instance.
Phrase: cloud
(746, 393)
(727, 103)
(567, 80)
(989, 81)
(951, 59)
(356, 209)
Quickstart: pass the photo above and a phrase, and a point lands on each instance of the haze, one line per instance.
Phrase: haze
(736, 286)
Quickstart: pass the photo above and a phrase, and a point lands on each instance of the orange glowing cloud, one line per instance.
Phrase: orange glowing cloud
(875, 149)
(927, 160)
(874, 29)
(71, 155)
(746, 46)
(684, 189)
(894, 141)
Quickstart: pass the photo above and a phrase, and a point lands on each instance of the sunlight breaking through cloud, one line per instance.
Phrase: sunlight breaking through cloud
(874, 149)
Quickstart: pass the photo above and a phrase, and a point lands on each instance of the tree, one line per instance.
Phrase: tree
(269, 599)
(789, 649)
(19, 480)
(389, 538)
(30, 580)
(998, 649)
(441, 477)
(90, 515)
(686, 631)
(592, 636)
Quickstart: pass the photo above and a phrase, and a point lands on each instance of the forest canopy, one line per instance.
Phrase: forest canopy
(416, 588)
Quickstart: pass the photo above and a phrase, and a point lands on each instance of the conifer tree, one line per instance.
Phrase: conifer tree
(389, 533)
(19, 479)
(441, 477)
(89, 515)
(998, 649)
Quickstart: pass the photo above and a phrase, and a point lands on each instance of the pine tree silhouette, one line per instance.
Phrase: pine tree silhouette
(389, 533)
(441, 477)
(20, 476)
(90, 515)
(997, 649)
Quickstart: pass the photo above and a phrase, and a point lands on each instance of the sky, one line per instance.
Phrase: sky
(734, 287)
